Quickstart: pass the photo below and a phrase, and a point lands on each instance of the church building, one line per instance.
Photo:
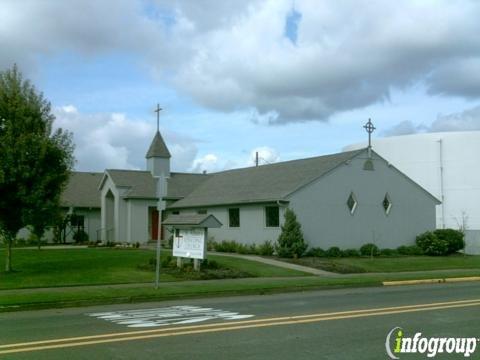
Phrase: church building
(345, 199)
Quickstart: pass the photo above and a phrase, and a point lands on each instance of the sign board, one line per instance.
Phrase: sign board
(189, 243)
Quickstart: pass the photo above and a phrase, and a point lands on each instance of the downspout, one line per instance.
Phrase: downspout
(442, 193)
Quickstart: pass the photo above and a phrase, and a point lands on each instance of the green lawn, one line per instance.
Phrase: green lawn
(68, 267)
(392, 264)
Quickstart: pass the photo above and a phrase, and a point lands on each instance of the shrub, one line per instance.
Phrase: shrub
(369, 250)
(266, 249)
(226, 246)
(210, 264)
(334, 251)
(412, 250)
(80, 237)
(211, 243)
(315, 252)
(388, 252)
(350, 253)
(431, 244)
(453, 238)
(242, 249)
(290, 243)
(20, 242)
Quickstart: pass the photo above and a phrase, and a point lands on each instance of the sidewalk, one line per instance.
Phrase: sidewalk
(278, 263)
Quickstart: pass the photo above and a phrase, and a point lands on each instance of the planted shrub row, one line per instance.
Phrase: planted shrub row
(265, 249)
(366, 250)
(440, 242)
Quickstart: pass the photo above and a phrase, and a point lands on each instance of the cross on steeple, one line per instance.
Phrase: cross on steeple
(157, 110)
(370, 129)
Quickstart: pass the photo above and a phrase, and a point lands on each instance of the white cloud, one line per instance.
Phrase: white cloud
(467, 120)
(208, 163)
(115, 141)
(234, 55)
(343, 58)
(31, 28)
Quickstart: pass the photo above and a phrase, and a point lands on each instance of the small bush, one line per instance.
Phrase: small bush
(369, 250)
(20, 242)
(211, 243)
(334, 251)
(210, 264)
(350, 253)
(266, 249)
(32, 239)
(243, 249)
(315, 252)
(412, 250)
(80, 237)
(431, 244)
(453, 238)
(388, 252)
(226, 246)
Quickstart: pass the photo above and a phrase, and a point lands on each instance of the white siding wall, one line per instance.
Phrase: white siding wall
(326, 220)
(138, 220)
(252, 228)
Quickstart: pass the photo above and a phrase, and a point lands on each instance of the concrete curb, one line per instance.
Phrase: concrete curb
(430, 281)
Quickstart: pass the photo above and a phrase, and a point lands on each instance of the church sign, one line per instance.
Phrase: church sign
(189, 243)
(190, 235)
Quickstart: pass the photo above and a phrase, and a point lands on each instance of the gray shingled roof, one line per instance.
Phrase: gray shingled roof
(182, 184)
(261, 184)
(143, 185)
(199, 220)
(82, 190)
(158, 148)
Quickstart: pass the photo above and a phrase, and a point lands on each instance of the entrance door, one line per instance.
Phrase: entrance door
(154, 219)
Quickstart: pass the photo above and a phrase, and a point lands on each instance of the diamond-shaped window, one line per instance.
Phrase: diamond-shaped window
(352, 203)
(387, 204)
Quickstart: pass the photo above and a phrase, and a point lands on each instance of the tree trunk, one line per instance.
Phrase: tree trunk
(8, 259)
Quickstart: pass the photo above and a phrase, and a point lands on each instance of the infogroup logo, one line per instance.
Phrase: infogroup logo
(397, 343)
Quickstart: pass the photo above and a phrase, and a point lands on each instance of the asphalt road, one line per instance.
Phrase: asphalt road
(329, 324)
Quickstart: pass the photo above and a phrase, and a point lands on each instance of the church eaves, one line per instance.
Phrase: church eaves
(158, 148)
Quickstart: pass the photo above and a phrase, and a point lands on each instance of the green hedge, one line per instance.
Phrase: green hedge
(441, 242)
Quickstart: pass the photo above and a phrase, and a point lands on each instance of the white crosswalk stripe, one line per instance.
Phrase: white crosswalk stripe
(173, 315)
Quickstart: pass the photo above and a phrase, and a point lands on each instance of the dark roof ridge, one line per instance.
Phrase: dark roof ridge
(289, 161)
(129, 170)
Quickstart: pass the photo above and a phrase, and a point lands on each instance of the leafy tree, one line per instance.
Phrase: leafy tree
(35, 160)
(290, 243)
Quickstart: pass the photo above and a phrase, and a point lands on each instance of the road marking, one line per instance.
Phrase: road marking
(217, 327)
(173, 315)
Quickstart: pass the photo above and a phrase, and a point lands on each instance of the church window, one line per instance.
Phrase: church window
(272, 216)
(352, 203)
(234, 217)
(387, 204)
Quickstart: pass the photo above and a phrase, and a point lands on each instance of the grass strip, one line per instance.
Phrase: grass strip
(68, 297)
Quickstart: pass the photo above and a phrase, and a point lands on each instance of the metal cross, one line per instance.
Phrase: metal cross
(370, 129)
(157, 110)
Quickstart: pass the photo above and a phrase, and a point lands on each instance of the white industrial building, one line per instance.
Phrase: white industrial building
(447, 164)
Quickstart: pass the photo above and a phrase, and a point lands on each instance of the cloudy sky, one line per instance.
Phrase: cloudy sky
(289, 79)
